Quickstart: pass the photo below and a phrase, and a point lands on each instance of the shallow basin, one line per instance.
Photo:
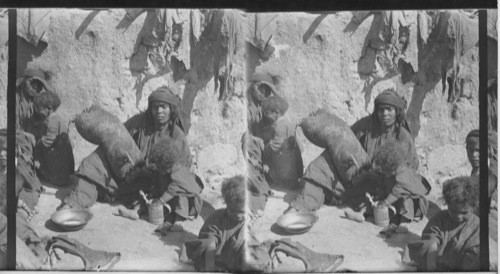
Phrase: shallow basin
(72, 219)
(297, 222)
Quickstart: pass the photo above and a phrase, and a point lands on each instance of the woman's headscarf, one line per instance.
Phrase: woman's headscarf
(38, 75)
(390, 97)
(164, 95)
(261, 78)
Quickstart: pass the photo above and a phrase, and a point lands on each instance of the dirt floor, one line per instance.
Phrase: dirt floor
(362, 247)
(137, 242)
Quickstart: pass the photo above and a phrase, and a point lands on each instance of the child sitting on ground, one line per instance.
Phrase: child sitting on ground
(450, 241)
(53, 151)
(221, 241)
(168, 180)
(282, 156)
(399, 186)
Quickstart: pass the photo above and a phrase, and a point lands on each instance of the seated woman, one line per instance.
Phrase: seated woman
(221, 242)
(161, 119)
(450, 241)
(53, 150)
(261, 88)
(281, 157)
(386, 123)
(170, 182)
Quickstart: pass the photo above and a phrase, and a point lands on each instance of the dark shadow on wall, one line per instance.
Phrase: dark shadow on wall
(252, 60)
(428, 76)
(203, 57)
(425, 80)
(138, 62)
(86, 23)
(26, 52)
(128, 19)
(314, 25)
(367, 63)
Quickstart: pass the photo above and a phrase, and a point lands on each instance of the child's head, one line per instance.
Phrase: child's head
(165, 153)
(46, 103)
(462, 197)
(274, 107)
(234, 194)
(472, 146)
(388, 158)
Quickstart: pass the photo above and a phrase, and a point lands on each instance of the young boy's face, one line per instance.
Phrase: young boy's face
(272, 115)
(460, 213)
(236, 212)
(473, 154)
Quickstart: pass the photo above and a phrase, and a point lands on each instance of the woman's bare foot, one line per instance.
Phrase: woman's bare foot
(167, 227)
(129, 213)
(402, 228)
(177, 227)
(353, 215)
(389, 229)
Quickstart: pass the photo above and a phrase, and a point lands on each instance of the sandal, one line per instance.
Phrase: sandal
(164, 228)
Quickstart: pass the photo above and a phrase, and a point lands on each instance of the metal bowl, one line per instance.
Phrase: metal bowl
(72, 219)
(297, 222)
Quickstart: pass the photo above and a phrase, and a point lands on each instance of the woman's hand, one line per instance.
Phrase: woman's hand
(382, 203)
